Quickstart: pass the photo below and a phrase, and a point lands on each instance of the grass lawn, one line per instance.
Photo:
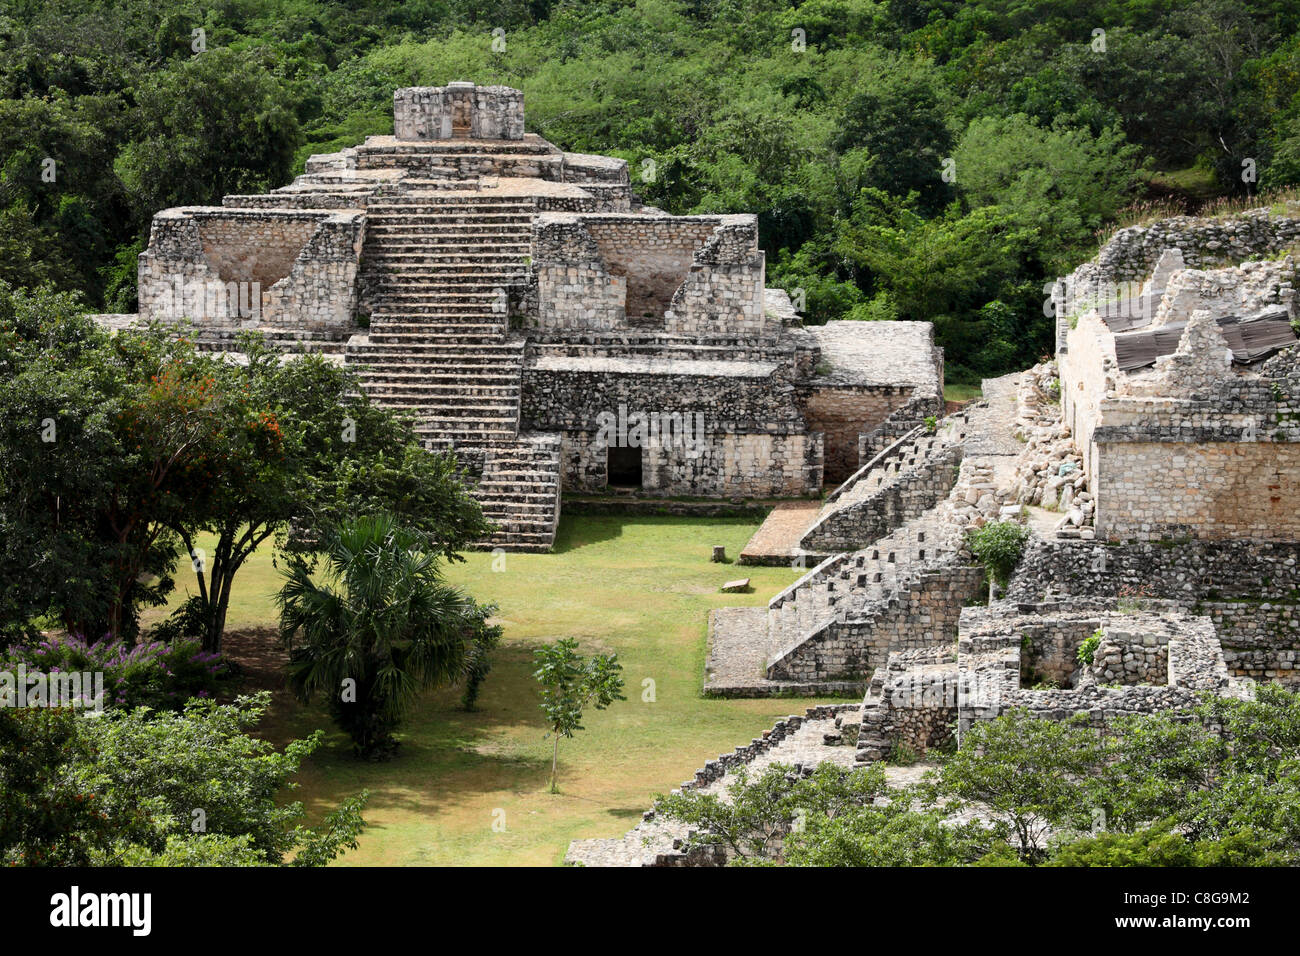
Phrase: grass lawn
(641, 586)
(961, 393)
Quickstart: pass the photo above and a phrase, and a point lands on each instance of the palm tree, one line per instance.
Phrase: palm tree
(377, 625)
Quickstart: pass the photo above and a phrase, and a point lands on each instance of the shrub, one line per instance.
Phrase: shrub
(157, 675)
(1088, 649)
(998, 546)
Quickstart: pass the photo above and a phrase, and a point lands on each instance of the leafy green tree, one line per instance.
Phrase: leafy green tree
(47, 817)
(901, 123)
(1064, 182)
(144, 788)
(375, 627)
(1160, 846)
(102, 440)
(221, 122)
(313, 451)
(570, 685)
(757, 814)
(1033, 775)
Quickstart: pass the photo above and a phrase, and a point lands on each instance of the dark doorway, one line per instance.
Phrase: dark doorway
(623, 468)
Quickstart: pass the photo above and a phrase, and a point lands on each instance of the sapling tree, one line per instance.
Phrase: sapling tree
(570, 684)
(998, 546)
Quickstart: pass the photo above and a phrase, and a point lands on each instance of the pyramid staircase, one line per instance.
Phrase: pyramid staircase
(902, 482)
(439, 264)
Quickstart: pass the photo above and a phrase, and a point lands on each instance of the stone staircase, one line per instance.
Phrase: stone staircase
(531, 157)
(520, 491)
(845, 583)
(438, 265)
(907, 478)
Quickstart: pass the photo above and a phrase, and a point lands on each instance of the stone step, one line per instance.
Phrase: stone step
(468, 372)
(474, 335)
(445, 394)
(436, 249)
(439, 201)
(484, 231)
(529, 144)
(432, 215)
(467, 258)
(449, 271)
(438, 433)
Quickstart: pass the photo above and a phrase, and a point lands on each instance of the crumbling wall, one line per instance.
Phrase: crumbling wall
(458, 110)
(911, 705)
(652, 255)
(224, 268)
(1130, 255)
(1200, 451)
(1248, 589)
(722, 292)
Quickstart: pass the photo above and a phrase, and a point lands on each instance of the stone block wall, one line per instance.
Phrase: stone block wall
(1155, 490)
(457, 111)
(1130, 657)
(918, 616)
(725, 464)
(1089, 374)
(911, 704)
(226, 268)
(683, 275)
(844, 414)
(1154, 660)
(1250, 590)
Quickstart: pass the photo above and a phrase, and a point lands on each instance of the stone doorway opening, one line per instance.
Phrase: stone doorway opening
(623, 467)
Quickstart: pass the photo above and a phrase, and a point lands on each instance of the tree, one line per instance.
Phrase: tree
(901, 124)
(313, 451)
(47, 818)
(757, 813)
(103, 439)
(570, 685)
(379, 626)
(217, 123)
(143, 788)
(1034, 775)
(998, 546)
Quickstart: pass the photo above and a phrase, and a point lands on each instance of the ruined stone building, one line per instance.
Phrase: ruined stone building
(1155, 462)
(535, 317)
(1154, 465)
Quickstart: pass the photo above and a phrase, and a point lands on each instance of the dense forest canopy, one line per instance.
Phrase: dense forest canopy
(931, 160)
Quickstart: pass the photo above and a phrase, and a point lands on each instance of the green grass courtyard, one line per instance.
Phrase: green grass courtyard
(471, 788)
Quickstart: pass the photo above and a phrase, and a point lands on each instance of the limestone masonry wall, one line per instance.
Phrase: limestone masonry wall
(683, 275)
(1248, 589)
(221, 267)
(843, 414)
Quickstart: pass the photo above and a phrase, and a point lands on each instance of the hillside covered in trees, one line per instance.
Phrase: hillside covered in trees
(924, 160)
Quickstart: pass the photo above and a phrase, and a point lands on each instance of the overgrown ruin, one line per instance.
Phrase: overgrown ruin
(1153, 461)
(535, 317)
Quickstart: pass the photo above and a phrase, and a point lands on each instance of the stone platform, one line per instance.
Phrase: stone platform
(776, 542)
(739, 647)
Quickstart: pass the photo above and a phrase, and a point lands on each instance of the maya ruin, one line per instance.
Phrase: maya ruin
(563, 338)
(528, 310)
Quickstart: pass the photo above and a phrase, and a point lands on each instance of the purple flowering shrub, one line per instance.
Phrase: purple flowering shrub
(152, 674)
